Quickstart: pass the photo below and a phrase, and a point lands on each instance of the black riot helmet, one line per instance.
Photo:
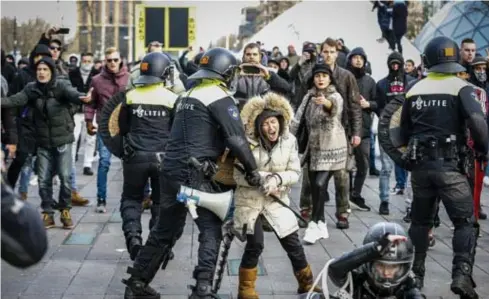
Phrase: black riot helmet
(155, 68)
(442, 55)
(388, 272)
(217, 63)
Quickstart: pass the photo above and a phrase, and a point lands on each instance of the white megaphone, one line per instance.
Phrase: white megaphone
(218, 203)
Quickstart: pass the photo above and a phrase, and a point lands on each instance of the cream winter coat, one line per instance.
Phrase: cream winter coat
(283, 160)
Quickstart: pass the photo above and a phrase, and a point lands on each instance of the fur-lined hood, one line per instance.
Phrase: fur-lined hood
(256, 105)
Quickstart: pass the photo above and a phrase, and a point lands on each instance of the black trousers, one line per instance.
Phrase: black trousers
(362, 160)
(319, 192)
(255, 244)
(137, 170)
(15, 168)
(388, 34)
(452, 188)
(398, 42)
(169, 228)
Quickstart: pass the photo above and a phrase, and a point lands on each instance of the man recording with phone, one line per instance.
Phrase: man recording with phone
(256, 79)
(55, 47)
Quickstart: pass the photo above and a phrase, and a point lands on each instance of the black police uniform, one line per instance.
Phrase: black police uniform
(144, 122)
(377, 248)
(434, 118)
(206, 121)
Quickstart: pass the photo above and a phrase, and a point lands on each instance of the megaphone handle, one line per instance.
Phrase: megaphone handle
(192, 209)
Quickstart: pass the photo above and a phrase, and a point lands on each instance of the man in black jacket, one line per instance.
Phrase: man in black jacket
(24, 117)
(250, 84)
(366, 85)
(393, 85)
(80, 78)
(51, 101)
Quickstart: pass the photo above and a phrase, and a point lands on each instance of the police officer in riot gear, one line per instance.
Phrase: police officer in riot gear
(381, 268)
(206, 122)
(435, 116)
(144, 122)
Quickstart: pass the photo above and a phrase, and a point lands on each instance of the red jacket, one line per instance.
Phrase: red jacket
(105, 85)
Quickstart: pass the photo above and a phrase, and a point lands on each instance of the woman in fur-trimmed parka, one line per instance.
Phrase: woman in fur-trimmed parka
(266, 121)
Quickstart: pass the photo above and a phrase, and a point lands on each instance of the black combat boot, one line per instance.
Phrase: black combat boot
(145, 268)
(419, 269)
(133, 244)
(155, 211)
(462, 282)
(203, 287)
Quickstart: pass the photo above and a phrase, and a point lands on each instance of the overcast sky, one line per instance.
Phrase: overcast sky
(214, 18)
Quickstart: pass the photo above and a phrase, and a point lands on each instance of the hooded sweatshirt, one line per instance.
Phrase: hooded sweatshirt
(394, 84)
(366, 87)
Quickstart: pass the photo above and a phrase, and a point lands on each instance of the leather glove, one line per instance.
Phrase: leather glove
(91, 129)
(254, 178)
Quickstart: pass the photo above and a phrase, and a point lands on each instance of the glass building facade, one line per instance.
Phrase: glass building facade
(459, 20)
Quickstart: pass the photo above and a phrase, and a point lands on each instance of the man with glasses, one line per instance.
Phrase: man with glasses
(56, 48)
(112, 79)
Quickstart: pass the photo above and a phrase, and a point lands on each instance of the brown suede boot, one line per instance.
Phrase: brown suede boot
(305, 280)
(147, 202)
(23, 196)
(77, 200)
(247, 279)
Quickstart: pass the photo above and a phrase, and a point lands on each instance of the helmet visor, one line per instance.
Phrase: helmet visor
(387, 274)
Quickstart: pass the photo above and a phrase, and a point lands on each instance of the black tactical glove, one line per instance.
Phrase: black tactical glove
(254, 178)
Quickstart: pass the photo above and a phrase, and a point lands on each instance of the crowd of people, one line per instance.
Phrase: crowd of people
(307, 117)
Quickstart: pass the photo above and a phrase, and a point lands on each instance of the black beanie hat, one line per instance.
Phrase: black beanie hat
(50, 63)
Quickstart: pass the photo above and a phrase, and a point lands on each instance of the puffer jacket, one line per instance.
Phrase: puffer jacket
(283, 160)
(52, 110)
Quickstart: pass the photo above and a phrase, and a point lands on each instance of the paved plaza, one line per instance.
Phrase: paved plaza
(90, 261)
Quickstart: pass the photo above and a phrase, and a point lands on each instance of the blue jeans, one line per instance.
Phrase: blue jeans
(372, 151)
(385, 174)
(103, 168)
(54, 160)
(73, 177)
(401, 175)
(25, 175)
(487, 171)
(147, 189)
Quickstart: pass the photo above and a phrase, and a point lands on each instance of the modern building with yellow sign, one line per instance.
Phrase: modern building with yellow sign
(173, 26)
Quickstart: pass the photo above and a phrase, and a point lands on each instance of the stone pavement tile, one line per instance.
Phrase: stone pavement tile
(41, 296)
(54, 278)
(15, 281)
(92, 278)
(92, 217)
(71, 252)
(281, 275)
(71, 296)
(107, 247)
(116, 287)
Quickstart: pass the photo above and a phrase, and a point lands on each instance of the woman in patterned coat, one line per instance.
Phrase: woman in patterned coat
(275, 150)
(326, 149)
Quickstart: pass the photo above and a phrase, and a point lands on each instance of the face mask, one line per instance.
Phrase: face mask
(87, 67)
(481, 76)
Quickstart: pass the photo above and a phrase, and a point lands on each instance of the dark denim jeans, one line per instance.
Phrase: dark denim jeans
(50, 161)
(103, 168)
(401, 175)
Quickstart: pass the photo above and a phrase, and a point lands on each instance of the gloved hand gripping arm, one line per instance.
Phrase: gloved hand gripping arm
(226, 113)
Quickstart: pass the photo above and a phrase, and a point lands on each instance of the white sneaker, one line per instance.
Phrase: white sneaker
(323, 230)
(486, 181)
(33, 181)
(312, 233)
